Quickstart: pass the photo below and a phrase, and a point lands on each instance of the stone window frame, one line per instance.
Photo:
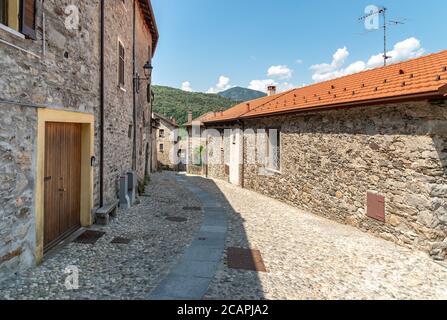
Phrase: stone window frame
(268, 161)
(120, 44)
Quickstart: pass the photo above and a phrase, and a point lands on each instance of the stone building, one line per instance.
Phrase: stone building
(368, 150)
(74, 116)
(166, 143)
(196, 143)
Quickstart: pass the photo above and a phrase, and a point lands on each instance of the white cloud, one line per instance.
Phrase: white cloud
(280, 72)
(325, 71)
(222, 85)
(404, 50)
(186, 86)
(299, 61)
(261, 85)
(285, 86)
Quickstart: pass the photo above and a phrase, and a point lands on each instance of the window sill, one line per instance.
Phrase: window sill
(275, 171)
(122, 89)
(12, 31)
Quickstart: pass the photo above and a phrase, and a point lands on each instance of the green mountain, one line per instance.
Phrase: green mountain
(241, 94)
(176, 103)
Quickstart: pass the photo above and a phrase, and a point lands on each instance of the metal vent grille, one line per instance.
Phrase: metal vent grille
(245, 259)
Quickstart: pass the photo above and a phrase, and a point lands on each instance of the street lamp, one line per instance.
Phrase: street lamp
(148, 68)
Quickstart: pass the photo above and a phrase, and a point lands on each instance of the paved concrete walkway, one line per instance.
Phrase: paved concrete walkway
(191, 277)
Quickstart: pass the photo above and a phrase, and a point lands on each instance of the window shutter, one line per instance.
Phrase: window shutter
(29, 18)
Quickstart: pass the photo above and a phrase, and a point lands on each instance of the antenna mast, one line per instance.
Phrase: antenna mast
(382, 11)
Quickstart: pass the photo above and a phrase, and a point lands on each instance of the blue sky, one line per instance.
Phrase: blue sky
(210, 45)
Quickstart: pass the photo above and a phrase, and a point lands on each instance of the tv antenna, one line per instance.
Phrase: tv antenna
(382, 11)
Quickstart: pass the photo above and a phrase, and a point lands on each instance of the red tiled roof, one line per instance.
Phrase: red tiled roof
(199, 119)
(422, 77)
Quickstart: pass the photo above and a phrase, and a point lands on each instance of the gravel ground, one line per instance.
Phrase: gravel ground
(117, 271)
(309, 257)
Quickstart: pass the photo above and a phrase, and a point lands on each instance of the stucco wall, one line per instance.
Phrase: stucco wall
(331, 159)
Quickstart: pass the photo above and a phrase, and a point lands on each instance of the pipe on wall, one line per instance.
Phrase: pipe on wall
(101, 106)
(134, 91)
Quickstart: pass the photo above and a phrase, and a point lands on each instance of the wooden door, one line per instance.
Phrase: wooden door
(62, 181)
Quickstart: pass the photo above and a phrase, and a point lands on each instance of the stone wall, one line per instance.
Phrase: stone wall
(195, 141)
(17, 176)
(331, 159)
(166, 156)
(66, 77)
(119, 128)
(143, 49)
(216, 157)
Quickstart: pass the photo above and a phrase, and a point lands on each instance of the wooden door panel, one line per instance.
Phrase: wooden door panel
(62, 180)
(52, 176)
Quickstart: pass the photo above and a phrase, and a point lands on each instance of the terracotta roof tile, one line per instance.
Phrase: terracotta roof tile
(425, 76)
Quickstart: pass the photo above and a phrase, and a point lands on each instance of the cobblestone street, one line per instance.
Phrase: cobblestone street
(306, 256)
(119, 271)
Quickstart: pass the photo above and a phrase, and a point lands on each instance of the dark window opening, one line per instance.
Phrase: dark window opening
(121, 64)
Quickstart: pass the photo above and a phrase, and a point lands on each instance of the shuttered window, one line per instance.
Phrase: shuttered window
(20, 16)
(273, 149)
(29, 18)
(121, 57)
(3, 12)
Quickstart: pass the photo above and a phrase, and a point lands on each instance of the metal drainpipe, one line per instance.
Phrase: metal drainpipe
(44, 50)
(101, 109)
(243, 155)
(134, 147)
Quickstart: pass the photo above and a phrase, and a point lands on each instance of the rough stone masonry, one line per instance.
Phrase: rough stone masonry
(330, 160)
(60, 70)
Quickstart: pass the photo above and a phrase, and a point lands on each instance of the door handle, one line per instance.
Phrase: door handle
(63, 190)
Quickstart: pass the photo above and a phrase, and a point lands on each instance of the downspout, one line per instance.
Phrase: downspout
(44, 36)
(243, 156)
(134, 147)
(101, 110)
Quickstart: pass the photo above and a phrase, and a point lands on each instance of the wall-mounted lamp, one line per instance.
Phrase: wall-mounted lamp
(147, 75)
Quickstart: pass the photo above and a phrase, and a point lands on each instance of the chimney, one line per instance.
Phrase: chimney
(271, 90)
(189, 116)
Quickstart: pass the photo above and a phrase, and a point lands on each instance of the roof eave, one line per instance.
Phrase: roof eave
(398, 99)
(151, 22)
(441, 93)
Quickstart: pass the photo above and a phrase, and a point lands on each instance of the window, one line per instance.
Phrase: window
(129, 132)
(162, 147)
(19, 16)
(121, 57)
(273, 148)
(161, 133)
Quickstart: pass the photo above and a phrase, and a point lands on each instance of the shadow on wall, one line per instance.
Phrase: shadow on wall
(229, 283)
